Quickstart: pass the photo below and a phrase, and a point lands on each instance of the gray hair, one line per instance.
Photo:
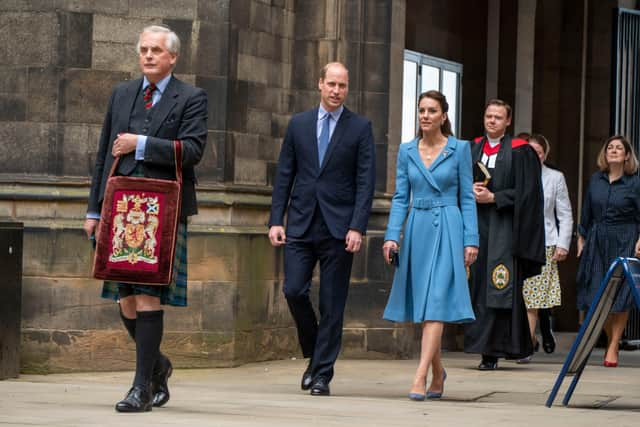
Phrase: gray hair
(172, 40)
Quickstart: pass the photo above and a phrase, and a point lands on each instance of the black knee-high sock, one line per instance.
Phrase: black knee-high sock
(149, 327)
(129, 324)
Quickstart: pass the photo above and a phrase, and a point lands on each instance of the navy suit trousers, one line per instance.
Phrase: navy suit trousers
(319, 340)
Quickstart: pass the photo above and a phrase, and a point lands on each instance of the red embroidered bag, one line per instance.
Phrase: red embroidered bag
(138, 227)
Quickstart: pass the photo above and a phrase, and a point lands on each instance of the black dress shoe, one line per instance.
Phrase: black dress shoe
(488, 364)
(549, 344)
(159, 382)
(320, 387)
(307, 379)
(548, 340)
(138, 399)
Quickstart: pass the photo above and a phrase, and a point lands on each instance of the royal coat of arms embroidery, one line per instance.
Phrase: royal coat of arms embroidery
(134, 229)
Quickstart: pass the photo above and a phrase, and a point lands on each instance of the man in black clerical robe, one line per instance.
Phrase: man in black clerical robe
(511, 227)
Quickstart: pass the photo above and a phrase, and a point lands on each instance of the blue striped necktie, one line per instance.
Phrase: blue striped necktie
(323, 141)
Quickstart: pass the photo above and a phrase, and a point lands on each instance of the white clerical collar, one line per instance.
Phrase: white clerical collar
(494, 142)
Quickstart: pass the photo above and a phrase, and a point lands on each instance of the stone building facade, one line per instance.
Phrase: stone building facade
(259, 63)
(258, 60)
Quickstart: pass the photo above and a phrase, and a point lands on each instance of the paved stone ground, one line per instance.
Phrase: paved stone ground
(364, 393)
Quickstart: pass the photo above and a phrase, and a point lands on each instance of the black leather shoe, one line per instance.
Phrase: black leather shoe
(307, 379)
(320, 387)
(138, 399)
(488, 364)
(549, 343)
(159, 382)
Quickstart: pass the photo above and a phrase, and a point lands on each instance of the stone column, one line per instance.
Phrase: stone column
(398, 27)
(525, 59)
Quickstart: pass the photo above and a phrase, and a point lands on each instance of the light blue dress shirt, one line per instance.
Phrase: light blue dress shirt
(155, 97)
(335, 116)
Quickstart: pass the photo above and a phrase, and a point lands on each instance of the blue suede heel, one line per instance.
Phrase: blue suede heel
(416, 396)
(437, 394)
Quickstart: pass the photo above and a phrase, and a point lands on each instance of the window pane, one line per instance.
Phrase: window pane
(409, 82)
(430, 78)
(450, 90)
(432, 74)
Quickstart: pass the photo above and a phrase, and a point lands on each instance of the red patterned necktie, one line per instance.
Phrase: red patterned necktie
(148, 96)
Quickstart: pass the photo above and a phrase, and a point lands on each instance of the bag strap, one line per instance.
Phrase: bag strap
(114, 166)
(177, 146)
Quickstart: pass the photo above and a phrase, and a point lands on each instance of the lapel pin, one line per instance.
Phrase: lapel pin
(445, 153)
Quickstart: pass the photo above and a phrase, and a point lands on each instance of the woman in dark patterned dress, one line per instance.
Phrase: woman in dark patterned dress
(609, 228)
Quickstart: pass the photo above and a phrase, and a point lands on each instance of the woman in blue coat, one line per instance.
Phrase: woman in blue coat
(434, 194)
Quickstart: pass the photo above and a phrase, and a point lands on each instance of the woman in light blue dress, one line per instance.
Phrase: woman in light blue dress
(434, 194)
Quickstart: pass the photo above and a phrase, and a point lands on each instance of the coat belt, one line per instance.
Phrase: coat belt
(438, 202)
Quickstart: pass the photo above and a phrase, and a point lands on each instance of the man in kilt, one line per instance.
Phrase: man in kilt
(144, 118)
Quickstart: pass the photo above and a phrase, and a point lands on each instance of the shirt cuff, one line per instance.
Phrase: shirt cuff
(140, 146)
(93, 215)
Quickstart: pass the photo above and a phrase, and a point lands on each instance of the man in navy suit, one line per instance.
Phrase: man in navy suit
(326, 177)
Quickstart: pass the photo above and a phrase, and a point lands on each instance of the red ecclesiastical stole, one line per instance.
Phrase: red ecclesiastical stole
(138, 227)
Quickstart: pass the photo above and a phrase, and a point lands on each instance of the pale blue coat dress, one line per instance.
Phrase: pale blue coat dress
(431, 281)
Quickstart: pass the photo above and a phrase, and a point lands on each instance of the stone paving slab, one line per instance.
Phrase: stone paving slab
(364, 393)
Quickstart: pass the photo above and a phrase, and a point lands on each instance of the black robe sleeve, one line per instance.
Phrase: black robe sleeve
(528, 224)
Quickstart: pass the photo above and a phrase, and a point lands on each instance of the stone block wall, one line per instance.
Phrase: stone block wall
(236, 310)
(258, 60)
(455, 30)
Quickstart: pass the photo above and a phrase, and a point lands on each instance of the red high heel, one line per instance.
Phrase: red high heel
(608, 364)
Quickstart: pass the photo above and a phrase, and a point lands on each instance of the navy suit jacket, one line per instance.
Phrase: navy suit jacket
(342, 187)
(181, 113)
